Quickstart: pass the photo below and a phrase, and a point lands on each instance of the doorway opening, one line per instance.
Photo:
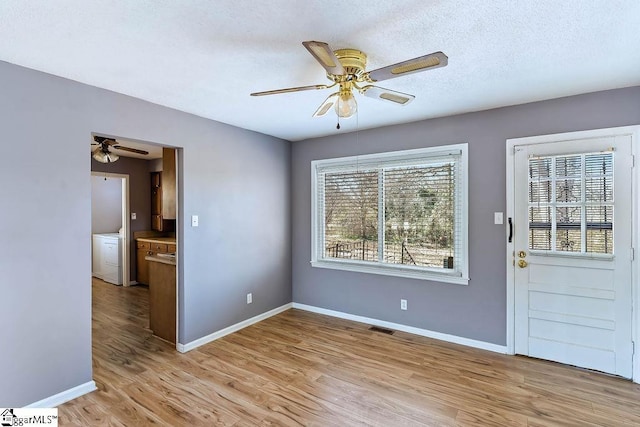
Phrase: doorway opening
(110, 227)
(146, 230)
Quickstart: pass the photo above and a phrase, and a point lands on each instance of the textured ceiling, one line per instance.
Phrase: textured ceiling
(205, 57)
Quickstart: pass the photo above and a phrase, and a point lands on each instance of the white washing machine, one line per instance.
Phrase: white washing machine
(107, 253)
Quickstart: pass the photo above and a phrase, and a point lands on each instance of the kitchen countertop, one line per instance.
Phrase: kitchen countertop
(161, 259)
(167, 240)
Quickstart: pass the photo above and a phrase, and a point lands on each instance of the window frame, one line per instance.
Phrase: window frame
(460, 277)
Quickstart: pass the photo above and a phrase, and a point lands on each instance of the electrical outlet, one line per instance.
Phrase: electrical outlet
(134, 215)
(403, 304)
(498, 218)
(249, 298)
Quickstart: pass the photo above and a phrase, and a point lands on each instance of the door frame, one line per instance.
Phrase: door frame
(126, 225)
(511, 145)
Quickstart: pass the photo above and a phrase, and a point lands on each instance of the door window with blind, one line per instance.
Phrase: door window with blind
(401, 213)
(571, 204)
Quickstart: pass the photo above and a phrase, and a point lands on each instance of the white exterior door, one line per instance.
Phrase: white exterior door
(573, 252)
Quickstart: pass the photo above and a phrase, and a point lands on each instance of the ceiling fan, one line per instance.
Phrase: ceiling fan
(102, 153)
(346, 69)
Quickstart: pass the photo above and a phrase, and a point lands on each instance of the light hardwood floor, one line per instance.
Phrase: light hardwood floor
(299, 368)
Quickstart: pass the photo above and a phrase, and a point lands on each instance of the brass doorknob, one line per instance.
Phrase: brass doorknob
(522, 263)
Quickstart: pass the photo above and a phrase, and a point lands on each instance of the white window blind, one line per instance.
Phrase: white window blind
(400, 213)
(571, 203)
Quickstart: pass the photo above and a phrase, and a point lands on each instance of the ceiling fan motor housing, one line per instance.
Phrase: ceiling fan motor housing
(353, 61)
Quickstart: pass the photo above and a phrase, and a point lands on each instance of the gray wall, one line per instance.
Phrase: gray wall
(236, 180)
(106, 204)
(139, 197)
(476, 311)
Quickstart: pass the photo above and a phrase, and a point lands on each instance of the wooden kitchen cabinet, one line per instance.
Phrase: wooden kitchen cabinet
(156, 193)
(143, 249)
(156, 223)
(162, 298)
(149, 247)
(163, 193)
(169, 183)
(156, 201)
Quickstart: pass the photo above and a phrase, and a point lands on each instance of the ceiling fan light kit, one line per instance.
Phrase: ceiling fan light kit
(346, 105)
(104, 156)
(346, 69)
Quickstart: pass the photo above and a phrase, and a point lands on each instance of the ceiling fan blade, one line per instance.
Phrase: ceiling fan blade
(326, 105)
(132, 150)
(290, 89)
(325, 56)
(421, 63)
(104, 140)
(387, 95)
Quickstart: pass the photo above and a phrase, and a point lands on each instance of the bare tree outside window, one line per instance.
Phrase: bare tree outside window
(351, 215)
(418, 217)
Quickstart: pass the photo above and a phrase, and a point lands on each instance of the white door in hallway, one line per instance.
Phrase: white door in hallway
(573, 252)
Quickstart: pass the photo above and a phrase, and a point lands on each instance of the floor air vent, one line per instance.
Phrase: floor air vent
(383, 330)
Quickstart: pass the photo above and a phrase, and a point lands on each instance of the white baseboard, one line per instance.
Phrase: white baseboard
(410, 329)
(65, 396)
(183, 348)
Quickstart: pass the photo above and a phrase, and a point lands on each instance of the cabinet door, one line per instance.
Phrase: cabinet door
(156, 222)
(156, 193)
(142, 266)
(168, 183)
(156, 180)
(162, 300)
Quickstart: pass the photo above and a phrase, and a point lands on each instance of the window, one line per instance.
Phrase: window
(402, 213)
(571, 204)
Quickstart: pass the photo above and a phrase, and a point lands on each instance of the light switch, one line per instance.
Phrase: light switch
(133, 215)
(498, 218)
(194, 220)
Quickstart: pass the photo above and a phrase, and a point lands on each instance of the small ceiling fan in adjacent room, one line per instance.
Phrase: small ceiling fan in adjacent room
(104, 155)
(346, 69)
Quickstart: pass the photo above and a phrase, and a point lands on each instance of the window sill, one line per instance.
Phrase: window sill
(392, 270)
